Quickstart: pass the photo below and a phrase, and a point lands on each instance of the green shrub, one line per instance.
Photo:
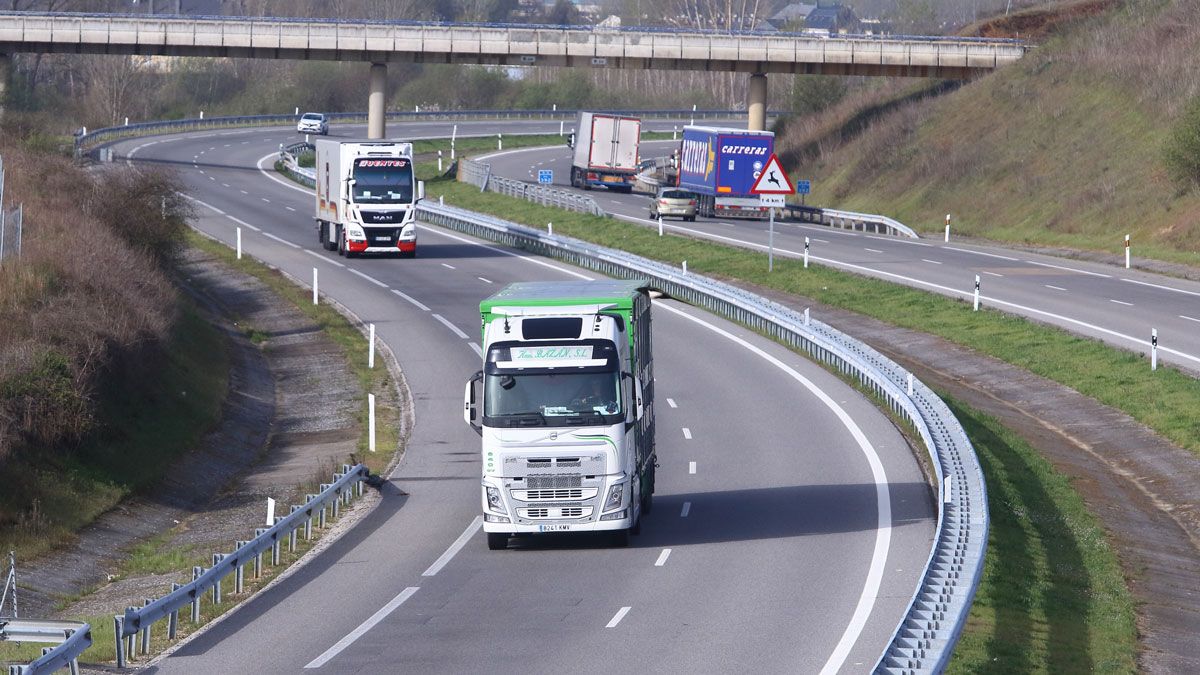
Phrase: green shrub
(1181, 153)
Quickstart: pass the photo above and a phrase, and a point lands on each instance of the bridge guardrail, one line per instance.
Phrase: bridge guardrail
(135, 620)
(925, 637)
(480, 175)
(851, 220)
(87, 141)
(71, 638)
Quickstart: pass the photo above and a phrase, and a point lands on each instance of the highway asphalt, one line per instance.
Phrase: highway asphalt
(1109, 303)
(790, 526)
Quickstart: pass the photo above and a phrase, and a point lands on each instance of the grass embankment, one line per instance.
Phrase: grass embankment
(1053, 599)
(1064, 569)
(144, 429)
(1063, 148)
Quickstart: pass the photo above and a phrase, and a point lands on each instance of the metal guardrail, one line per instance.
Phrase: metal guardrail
(937, 612)
(480, 175)
(71, 638)
(87, 141)
(139, 620)
(851, 220)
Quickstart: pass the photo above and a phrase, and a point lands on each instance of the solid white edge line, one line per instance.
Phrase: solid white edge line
(369, 278)
(687, 508)
(477, 348)
(435, 230)
(1068, 269)
(363, 627)
(883, 497)
(282, 181)
(935, 262)
(451, 326)
(322, 258)
(1121, 302)
(243, 223)
(990, 255)
(409, 298)
(282, 241)
(1159, 286)
(618, 616)
(1057, 288)
(206, 205)
(454, 548)
(662, 557)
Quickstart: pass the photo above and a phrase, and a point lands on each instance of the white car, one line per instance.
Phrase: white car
(313, 123)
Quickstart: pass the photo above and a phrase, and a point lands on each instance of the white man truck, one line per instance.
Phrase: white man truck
(367, 197)
(606, 151)
(565, 406)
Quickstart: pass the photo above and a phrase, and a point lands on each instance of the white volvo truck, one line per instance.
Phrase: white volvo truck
(367, 197)
(565, 406)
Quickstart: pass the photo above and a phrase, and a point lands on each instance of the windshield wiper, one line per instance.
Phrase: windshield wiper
(525, 419)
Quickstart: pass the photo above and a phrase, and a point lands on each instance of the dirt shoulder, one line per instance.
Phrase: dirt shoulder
(288, 420)
(1144, 490)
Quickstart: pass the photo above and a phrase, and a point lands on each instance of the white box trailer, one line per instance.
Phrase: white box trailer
(366, 197)
(606, 151)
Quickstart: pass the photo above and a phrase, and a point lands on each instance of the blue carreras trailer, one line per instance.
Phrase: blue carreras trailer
(721, 165)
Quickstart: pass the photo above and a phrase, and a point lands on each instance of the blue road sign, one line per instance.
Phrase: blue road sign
(545, 176)
(803, 187)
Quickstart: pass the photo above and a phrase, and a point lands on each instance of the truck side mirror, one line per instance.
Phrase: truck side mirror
(420, 190)
(470, 407)
(351, 182)
(571, 140)
(637, 396)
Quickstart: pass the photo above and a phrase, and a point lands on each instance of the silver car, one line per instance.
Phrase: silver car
(672, 201)
(313, 123)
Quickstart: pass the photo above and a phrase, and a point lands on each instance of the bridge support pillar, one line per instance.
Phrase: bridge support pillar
(376, 125)
(5, 68)
(758, 102)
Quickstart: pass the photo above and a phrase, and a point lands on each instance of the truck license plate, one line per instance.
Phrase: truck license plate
(553, 528)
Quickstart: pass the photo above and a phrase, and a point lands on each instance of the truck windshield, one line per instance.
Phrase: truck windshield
(547, 395)
(383, 181)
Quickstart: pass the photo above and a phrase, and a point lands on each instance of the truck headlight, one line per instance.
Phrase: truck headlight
(355, 232)
(614, 497)
(494, 500)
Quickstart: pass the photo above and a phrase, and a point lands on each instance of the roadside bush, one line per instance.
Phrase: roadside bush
(1181, 154)
(143, 207)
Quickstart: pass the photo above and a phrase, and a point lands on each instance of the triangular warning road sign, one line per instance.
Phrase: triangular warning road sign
(773, 180)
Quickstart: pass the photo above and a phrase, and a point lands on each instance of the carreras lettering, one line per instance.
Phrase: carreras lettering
(742, 150)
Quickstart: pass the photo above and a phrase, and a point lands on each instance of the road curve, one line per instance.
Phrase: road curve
(1112, 304)
(784, 538)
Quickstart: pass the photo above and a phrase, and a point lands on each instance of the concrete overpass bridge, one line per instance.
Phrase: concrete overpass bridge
(381, 43)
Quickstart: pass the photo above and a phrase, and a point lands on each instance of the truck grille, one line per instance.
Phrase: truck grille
(553, 482)
(557, 495)
(554, 513)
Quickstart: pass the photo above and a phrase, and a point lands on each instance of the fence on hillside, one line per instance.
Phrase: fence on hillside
(11, 221)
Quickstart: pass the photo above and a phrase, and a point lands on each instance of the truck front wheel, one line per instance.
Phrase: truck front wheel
(497, 541)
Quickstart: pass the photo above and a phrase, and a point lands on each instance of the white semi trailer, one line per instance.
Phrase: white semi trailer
(566, 409)
(605, 151)
(367, 196)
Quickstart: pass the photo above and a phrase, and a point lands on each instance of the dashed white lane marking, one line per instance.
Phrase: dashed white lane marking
(411, 299)
(322, 258)
(1120, 302)
(363, 627)
(265, 199)
(687, 508)
(454, 548)
(451, 326)
(1068, 269)
(486, 281)
(477, 348)
(449, 267)
(369, 278)
(691, 467)
(224, 184)
(1057, 288)
(618, 616)
(932, 262)
(203, 171)
(1160, 287)
(991, 274)
(289, 208)
(872, 250)
(282, 241)
(671, 402)
(821, 241)
(1189, 318)
(212, 178)
(990, 255)
(244, 192)
(687, 433)
(662, 557)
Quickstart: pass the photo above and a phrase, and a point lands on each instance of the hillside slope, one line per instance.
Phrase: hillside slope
(1063, 148)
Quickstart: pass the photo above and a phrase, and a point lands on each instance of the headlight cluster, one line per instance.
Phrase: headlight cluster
(615, 493)
(494, 500)
(355, 232)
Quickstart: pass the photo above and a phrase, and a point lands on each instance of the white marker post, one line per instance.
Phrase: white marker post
(239, 243)
(499, 141)
(910, 384)
(270, 512)
(1153, 349)
(550, 228)
(201, 114)
(806, 316)
(314, 285)
(439, 161)
(371, 421)
(976, 292)
(297, 110)
(453, 135)
(693, 114)
(371, 349)
(947, 227)
(806, 253)
(561, 123)
(771, 241)
(660, 227)
(685, 267)
(126, 121)
(1126, 251)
